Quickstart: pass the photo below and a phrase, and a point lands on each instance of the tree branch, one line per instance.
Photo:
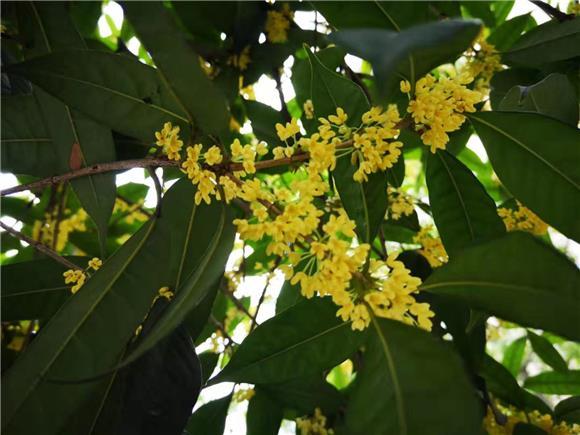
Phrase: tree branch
(40, 247)
(552, 12)
(285, 112)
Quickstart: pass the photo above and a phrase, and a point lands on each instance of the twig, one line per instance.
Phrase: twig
(141, 208)
(285, 112)
(263, 295)
(39, 247)
(356, 79)
(552, 12)
(383, 242)
(158, 189)
(237, 302)
(222, 329)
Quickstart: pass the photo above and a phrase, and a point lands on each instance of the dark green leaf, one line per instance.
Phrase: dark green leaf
(515, 277)
(210, 419)
(179, 67)
(26, 145)
(554, 96)
(112, 304)
(300, 341)
(463, 211)
(550, 42)
(528, 429)
(514, 355)
(264, 120)
(116, 90)
(503, 81)
(413, 52)
(568, 410)
(480, 9)
(404, 369)
(567, 382)
(34, 289)
(264, 414)
(289, 296)
(208, 361)
(504, 36)
(546, 177)
(547, 352)
(500, 382)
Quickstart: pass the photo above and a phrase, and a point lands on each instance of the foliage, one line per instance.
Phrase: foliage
(418, 287)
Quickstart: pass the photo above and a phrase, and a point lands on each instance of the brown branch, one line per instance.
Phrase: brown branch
(237, 302)
(158, 189)
(40, 247)
(285, 112)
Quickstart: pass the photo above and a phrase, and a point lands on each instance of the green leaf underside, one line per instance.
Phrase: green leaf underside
(511, 277)
(407, 368)
(112, 304)
(463, 211)
(546, 177)
(300, 341)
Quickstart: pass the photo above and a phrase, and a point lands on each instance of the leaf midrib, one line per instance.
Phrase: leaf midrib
(530, 151)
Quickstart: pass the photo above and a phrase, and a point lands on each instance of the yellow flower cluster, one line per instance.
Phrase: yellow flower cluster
(241, 60)
(438, 107)
(278, 24)
(515, 416)
(168, 138)
(400, 204)
(482, 63)
(78, 277)
(315, 425)
(45, 231)
(522, 219)
(433, 249)
(132, 212)
(308, 108)
(243, 394)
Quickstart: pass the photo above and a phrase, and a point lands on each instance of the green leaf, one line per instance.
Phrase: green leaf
(514, 355)
(365, 203)
(528, 429)
(546, 177)
(568, 410)
(263, 119)
(462, 210)
(404, 369)
(34, 289)
(567, 382)
(412, 53)
(480, 9)
(505, 35)
(210, 419)
(26, 145)
(300, 341)
(264, 414)
(208, 362)
(550, 42)
(515, 277)
(116, 90)
(547, 352)
(500, 382)
(289, 296)
(178, 66)
(88, 335)
(74, 136)
(554, 96)
(503, 81)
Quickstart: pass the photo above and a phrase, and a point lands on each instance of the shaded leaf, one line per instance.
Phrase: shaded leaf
(210, 419)
(462, 210)
(515, 277)
(546, 177)
(547, 352)
(263, 119)
(528, 429)
(504, 36)
(264, 414)
(514, 355)
(568, 410)
(208, 361)
(300, 341)
(406, 367)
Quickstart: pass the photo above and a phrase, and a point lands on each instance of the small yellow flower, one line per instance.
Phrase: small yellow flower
(308, 109)
(405, 86)
(291, 129)
(213, 156)
(95, 263)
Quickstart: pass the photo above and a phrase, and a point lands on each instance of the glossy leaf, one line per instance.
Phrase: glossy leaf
(208, 361)
(412, 52)
(546, 177)
(209, 419)
(179, 66)
(505, 35)
(515, 278)
(553, 96)
(34, 289)
(112, 304)
(462, 210)
(568, 410)
(406, 367)
(513, 355)
(300, 341)
(566, 382)
(264, 414)
(547, 352)
(116, 90)
(26, 145)
(550, 42)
